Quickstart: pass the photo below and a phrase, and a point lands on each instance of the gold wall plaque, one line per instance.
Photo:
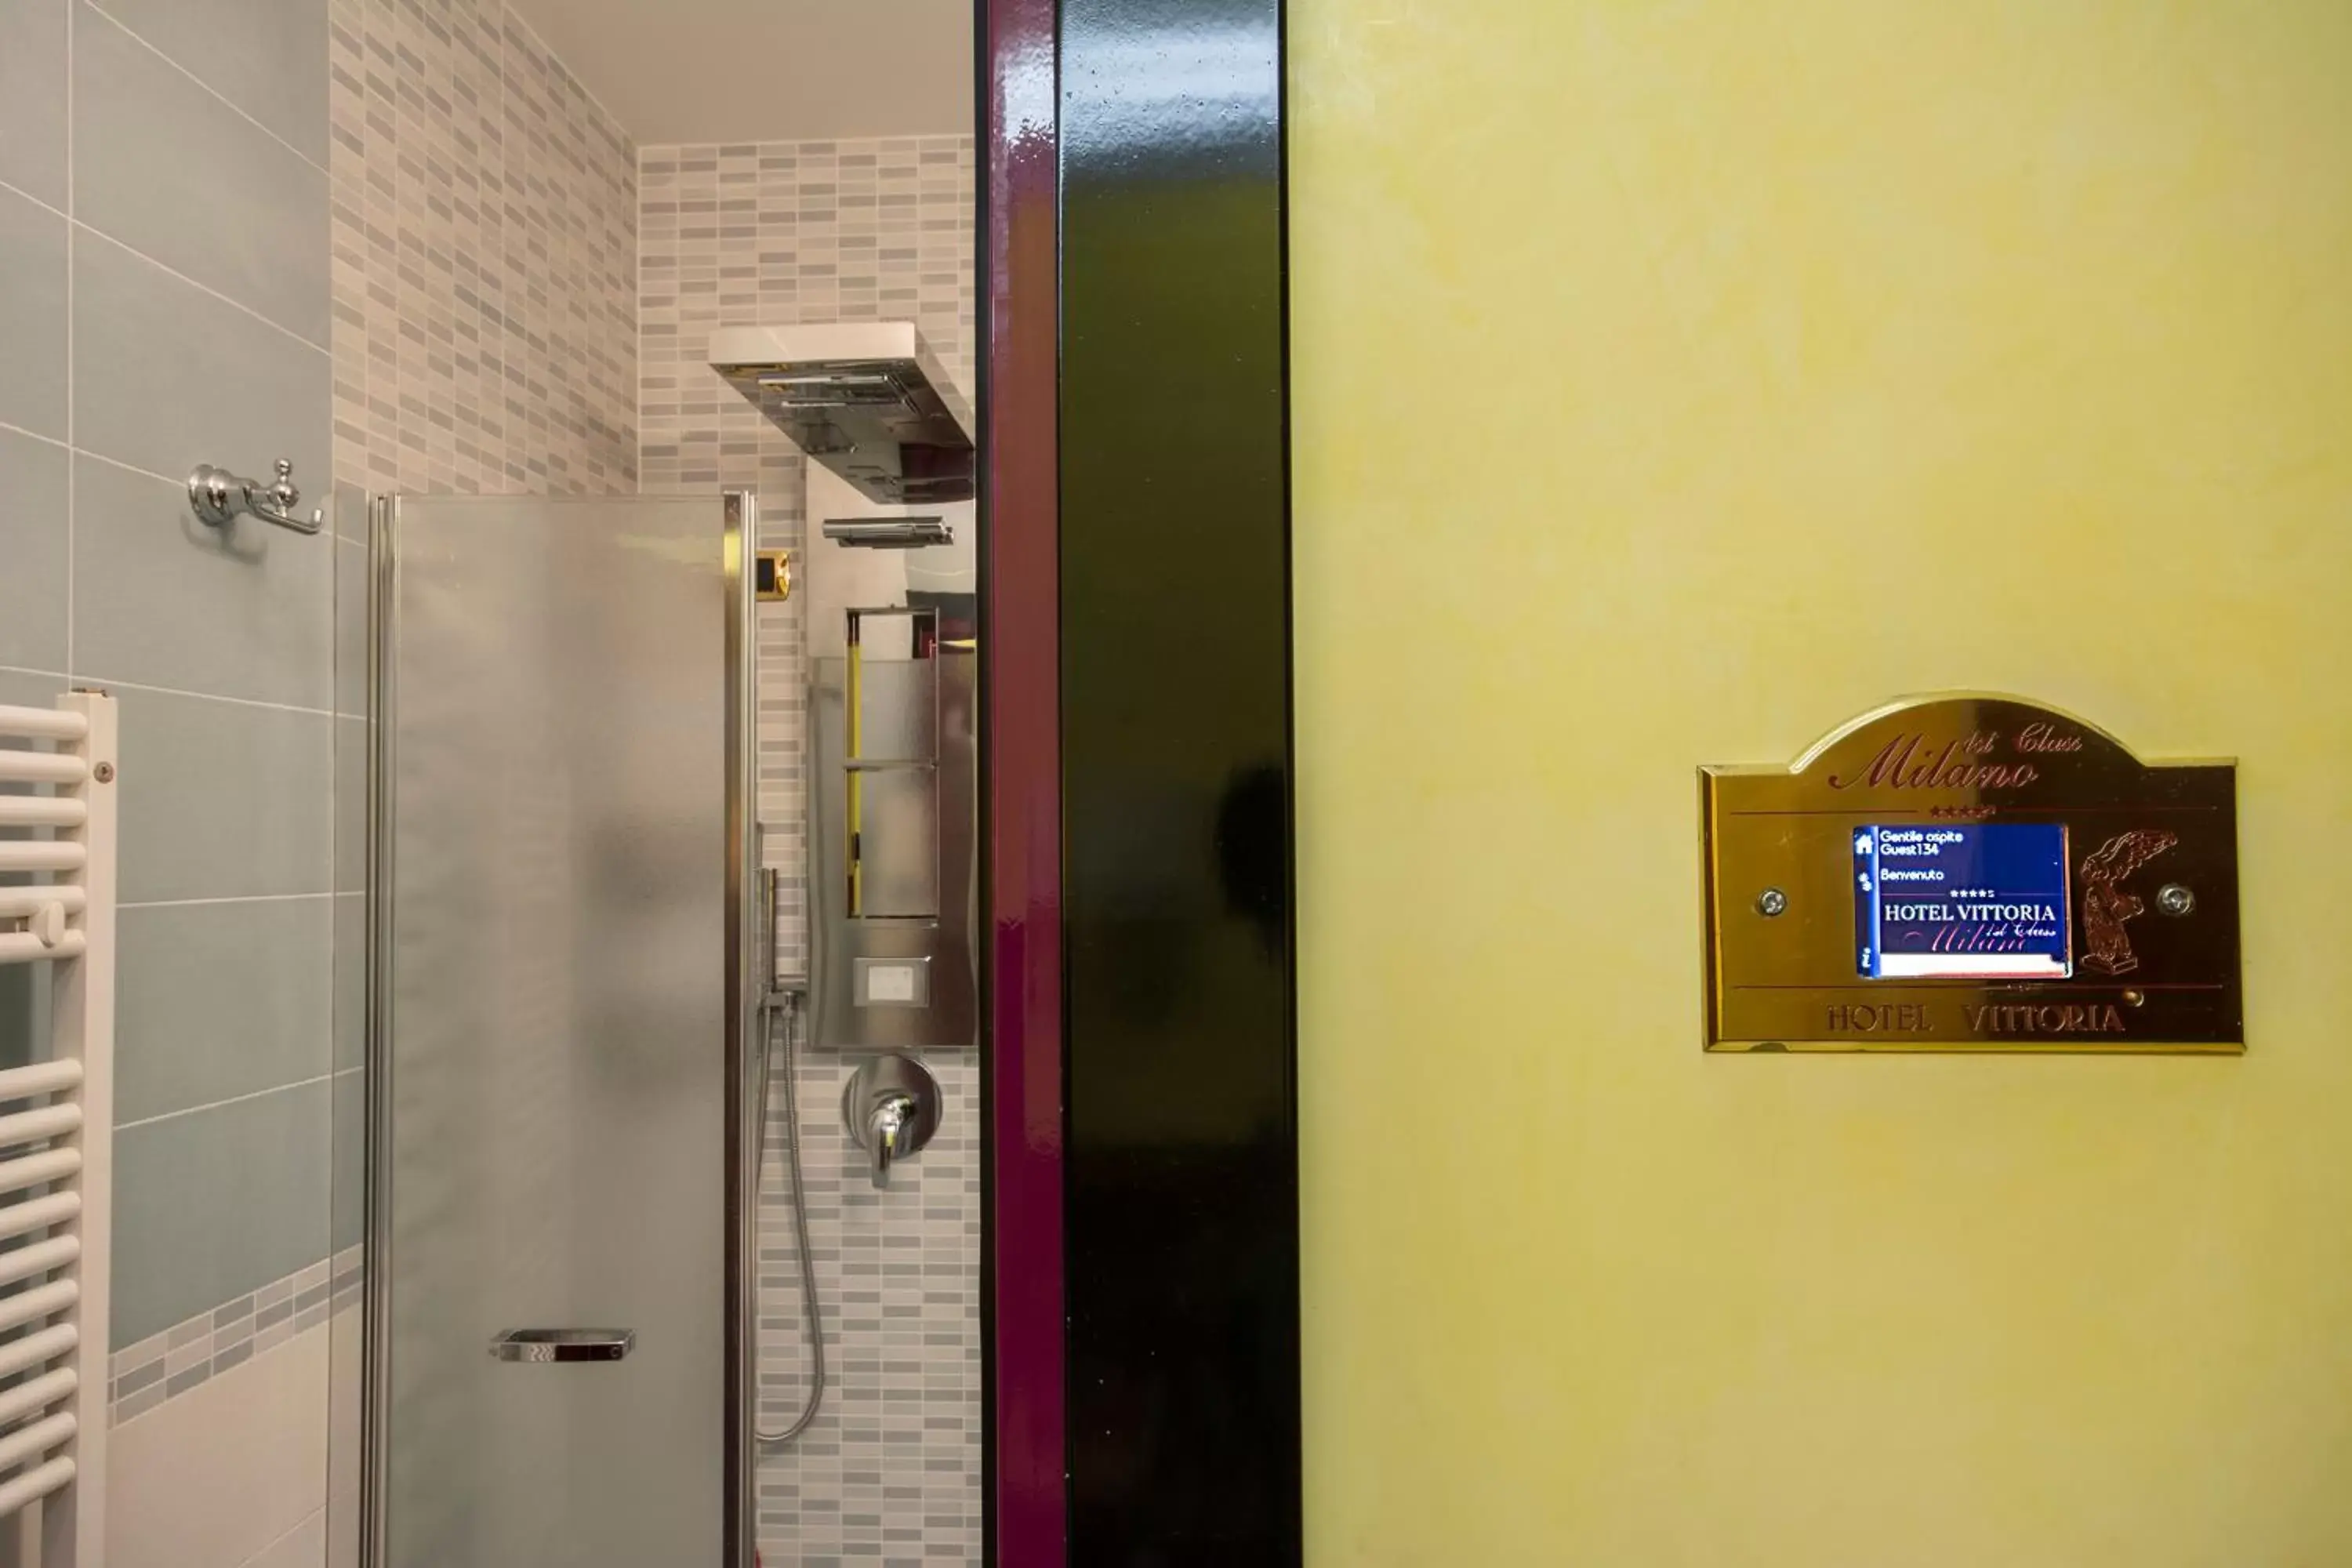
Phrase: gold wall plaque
(1972, 873)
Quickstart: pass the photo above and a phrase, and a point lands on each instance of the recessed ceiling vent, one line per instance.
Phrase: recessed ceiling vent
(868, 399)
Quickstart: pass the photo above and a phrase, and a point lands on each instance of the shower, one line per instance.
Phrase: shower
(560, 989)
(891, 828)
(581, 709)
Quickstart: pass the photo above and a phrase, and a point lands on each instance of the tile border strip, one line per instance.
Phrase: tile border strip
(191, 1352)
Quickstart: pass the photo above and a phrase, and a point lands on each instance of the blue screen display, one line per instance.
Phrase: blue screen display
(1980, 902)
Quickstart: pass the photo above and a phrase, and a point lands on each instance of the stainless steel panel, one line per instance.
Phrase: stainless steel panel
(918, 833)
(898, 841)
(557, 1023)
(898, 708)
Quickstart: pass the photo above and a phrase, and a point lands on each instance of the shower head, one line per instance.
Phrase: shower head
(867, 399)
(889, 533)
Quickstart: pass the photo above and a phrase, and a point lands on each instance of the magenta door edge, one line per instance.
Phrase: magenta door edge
(1026, 1440)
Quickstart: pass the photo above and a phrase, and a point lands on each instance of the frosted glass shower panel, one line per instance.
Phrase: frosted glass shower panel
(553, 947)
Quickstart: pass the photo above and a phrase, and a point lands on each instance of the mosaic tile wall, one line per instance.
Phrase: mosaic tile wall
(778, 232)
(485, 259)
(803, 231)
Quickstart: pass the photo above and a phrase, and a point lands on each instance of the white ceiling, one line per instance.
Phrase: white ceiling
(766, 71)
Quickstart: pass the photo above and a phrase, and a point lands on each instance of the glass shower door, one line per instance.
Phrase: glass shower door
(558, 861)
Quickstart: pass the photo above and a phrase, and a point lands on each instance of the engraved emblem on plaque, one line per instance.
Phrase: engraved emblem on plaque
(2105, 906)
(1972, 872)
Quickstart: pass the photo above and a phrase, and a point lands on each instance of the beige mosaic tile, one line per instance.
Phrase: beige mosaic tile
(485, 259)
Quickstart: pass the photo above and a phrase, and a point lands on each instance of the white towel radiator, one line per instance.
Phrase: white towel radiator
(56, 1130)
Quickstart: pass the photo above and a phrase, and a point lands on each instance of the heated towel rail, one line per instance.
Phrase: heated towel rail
(57, 1121)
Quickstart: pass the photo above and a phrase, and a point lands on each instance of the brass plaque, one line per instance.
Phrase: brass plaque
(1972, 873)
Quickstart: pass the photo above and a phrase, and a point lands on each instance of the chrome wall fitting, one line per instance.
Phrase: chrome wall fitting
(220, 497)
(892, 1106)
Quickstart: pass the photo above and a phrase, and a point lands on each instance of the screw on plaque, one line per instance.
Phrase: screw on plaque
(1771, 901)
(2175, 900)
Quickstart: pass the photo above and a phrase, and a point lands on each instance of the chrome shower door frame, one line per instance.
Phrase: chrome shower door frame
(744, 999)
(383, 663)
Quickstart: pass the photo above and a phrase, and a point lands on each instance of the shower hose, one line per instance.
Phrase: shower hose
(789, 1008)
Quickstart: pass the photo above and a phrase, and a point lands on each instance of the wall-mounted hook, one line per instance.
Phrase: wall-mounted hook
(220, 496)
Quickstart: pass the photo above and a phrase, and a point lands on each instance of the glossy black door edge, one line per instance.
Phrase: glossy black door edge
(1181, 1170)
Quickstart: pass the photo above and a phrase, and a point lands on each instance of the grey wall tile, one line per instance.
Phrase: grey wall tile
(19, 689)
(167, 376)
(160, 599)
(352, 627)
(348, 515)
(25, 987)
(351, 981)
(169, 169)
(349, 1224)
(350, 806)
(222, 799)
(34, 527)
(33, 97)
(220, 1000)
(212, 1205)
(269, 55)
(32, 316)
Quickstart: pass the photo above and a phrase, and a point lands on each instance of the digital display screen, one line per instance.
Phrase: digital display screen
(1979, 902)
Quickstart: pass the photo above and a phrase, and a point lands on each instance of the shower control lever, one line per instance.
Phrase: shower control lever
(885, 1124)
(891, 1106)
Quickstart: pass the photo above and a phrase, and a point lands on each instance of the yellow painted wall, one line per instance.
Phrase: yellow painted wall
(1672, 381)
